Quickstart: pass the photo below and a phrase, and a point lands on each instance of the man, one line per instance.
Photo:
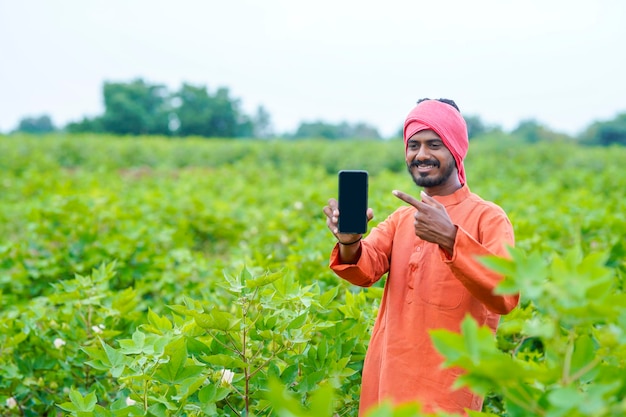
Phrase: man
(429, 250)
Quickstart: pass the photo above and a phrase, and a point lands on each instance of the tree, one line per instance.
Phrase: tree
(36, 125)
(342, 130)
(606, 133)
(202, 114)
(136, 108)
(139, 108)
(91, 125)
(194, 111)
(476, 127)
(364, 131)
(317, 129)
(262, 124)
(245, 126)
(224, 115)
(529, 130)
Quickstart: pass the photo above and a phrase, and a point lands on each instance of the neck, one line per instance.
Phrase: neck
(444, 189)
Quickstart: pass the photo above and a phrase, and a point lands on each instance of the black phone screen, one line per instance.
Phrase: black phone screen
(353, 201)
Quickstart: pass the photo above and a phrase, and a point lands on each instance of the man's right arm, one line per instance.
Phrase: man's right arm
(369, 260)
(349, 244)
(349, 254)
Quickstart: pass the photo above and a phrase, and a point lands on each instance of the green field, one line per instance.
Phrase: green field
(135, 271)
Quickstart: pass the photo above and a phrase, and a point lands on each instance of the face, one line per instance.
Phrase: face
(430, 163)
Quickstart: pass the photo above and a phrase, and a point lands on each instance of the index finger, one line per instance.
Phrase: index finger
(407, 198)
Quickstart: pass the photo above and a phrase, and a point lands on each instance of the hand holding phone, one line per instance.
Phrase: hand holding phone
(353, 190)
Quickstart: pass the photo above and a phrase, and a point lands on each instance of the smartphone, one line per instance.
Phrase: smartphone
(353, 201)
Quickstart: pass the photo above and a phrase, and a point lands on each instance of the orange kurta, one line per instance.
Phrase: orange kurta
(425, 289)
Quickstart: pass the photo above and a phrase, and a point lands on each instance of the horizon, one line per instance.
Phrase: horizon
(556, 63)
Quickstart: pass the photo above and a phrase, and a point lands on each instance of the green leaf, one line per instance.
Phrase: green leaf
(327, 297)
(158, 410)
(223, 360)
(565, 398)
(321, 402)
(290, 374)
(116, 360)
(387, 409)
(262, 281)
(159, 323)
(298, 321)
(68, 406)
(322, 350)
(190, 386)
(583, 355)
(134, 346)
(449, 344)
(285, 404)
(99, 411)
(208, 394)
(86, 403)
(215, 320)
(469, 328)
(176, 352)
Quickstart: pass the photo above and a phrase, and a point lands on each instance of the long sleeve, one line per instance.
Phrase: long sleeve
(374, 257)
(495, 233)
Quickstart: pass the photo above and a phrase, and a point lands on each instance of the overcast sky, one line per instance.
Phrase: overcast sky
(562, 63)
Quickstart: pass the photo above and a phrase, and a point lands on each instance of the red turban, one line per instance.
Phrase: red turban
(447, 122)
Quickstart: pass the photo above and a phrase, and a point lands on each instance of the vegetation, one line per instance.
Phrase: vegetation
(158, 277)
(140, 108)
(606, 133)
(323, 130)
(36, 125)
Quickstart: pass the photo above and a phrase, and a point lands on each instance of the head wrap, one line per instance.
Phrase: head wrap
(447, 122)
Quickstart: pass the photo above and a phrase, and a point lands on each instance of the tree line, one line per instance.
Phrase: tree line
(141, 108)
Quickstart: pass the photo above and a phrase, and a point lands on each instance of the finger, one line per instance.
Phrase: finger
(331, 223)
(370, 214)
(328, 211)
(334, 205)
(407, 198)
(426, 199)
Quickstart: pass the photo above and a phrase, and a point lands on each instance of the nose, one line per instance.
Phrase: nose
(422, 153)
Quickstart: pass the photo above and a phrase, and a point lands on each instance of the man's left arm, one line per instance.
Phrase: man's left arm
(496, 235)
(461, 251)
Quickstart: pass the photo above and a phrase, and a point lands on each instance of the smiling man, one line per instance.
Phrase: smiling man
(429, 250)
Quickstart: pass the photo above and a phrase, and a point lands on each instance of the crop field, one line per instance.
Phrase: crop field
(169, 277)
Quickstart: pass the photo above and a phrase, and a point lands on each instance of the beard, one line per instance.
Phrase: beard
(423, 180)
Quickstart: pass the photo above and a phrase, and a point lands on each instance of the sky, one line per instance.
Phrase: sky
(561, 63)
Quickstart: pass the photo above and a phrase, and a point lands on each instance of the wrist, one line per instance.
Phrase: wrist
(351, 243)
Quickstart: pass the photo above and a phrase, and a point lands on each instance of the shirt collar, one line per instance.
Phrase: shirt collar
(454, 198)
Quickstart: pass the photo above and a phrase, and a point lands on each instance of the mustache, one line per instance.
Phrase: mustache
(432, 162)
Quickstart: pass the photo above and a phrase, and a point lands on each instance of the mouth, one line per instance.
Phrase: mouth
(425, 166)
